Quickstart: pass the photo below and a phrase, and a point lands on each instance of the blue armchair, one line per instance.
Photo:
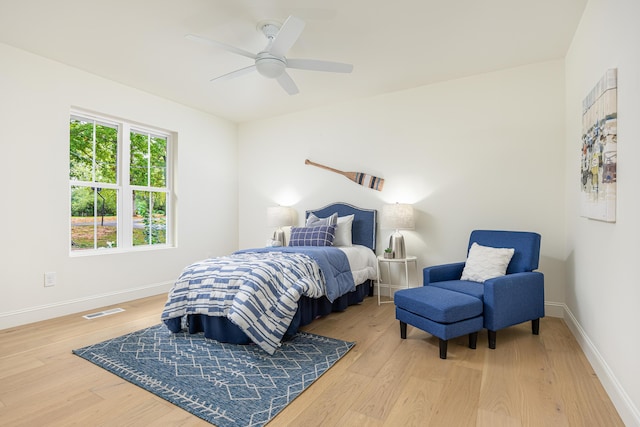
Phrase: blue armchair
(508, 300)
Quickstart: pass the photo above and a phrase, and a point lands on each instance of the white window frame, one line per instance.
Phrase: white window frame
(125, 189)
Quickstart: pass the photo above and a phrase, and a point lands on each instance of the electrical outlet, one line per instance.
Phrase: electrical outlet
(49, 279)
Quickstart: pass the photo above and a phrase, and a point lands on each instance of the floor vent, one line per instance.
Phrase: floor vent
(103, 313)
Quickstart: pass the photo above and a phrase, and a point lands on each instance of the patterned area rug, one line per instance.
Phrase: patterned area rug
(224, 384)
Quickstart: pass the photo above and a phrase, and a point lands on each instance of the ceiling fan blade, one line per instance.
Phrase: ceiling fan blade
(287, 36)
(287, 83)
(221, 45)
(317, 65)
(236, 73)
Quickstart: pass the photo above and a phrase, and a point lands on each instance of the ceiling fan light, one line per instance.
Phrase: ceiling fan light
(270, 67)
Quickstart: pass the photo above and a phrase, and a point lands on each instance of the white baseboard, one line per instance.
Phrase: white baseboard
(627, 410)
(554, 309)
(27, 315)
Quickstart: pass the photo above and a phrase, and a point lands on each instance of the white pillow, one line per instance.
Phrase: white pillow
(287, 234)
(484, 263)
(343, 231)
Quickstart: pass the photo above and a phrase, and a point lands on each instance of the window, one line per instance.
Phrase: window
(119, 184)
(148, 179)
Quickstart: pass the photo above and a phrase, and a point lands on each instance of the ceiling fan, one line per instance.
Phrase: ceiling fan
(271, 61)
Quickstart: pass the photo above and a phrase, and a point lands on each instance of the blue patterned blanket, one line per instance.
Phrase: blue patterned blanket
(333, 264)
(257, 290)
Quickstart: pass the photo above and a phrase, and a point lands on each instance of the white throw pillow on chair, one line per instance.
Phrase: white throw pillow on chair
(485, 262)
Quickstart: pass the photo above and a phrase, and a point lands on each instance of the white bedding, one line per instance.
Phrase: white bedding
(362, 261)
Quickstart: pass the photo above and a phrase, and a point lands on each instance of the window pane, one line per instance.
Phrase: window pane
(80, 150)
(106, 153)
(82, 208)
(158, 153)
(149, 218)
(94, 218)
(139, 159)
(107, 218)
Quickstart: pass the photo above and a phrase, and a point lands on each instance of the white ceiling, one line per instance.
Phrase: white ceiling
(392, 45)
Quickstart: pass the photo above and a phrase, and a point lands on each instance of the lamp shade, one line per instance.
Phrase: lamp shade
(398, 216)
(279, 216)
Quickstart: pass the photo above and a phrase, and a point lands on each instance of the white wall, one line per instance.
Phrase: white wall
(480, 152)
(35, 101)
(602, 292)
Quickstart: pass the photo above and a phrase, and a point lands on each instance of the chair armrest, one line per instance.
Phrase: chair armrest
(440, 273)
(513, 299)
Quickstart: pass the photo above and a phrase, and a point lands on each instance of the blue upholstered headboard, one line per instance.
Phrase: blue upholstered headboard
(364, 221)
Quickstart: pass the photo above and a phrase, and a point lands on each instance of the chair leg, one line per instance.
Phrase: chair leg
(535, 326)
(473, 339)
(443, 348)
(492, 339)
(403, 330)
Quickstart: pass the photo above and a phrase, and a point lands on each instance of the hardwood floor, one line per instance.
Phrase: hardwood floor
(527, 380)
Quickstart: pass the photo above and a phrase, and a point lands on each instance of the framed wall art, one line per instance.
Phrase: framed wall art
(599, 151)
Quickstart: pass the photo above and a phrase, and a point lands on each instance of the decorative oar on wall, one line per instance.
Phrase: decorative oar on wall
(358, 177)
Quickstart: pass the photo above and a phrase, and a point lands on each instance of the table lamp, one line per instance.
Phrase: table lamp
(279, 216)
(398, 216)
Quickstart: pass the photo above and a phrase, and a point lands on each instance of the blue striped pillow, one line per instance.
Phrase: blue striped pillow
(321, 235)
(313, 220)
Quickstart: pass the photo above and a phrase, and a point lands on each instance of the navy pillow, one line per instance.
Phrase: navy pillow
(321, 235)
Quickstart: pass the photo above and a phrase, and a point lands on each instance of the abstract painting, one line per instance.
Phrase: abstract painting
(599, 151)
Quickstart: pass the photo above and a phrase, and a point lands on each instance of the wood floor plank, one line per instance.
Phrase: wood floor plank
(493, 419)
(457, 404)
(356, 419)
(377, 353)
(415, 403)
(527, 380)
(331, 403)
(516, 381)
(388, 382)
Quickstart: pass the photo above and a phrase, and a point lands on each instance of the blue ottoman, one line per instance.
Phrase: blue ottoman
(443, 313)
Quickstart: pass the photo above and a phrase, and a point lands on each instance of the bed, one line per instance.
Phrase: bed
(263, 306)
